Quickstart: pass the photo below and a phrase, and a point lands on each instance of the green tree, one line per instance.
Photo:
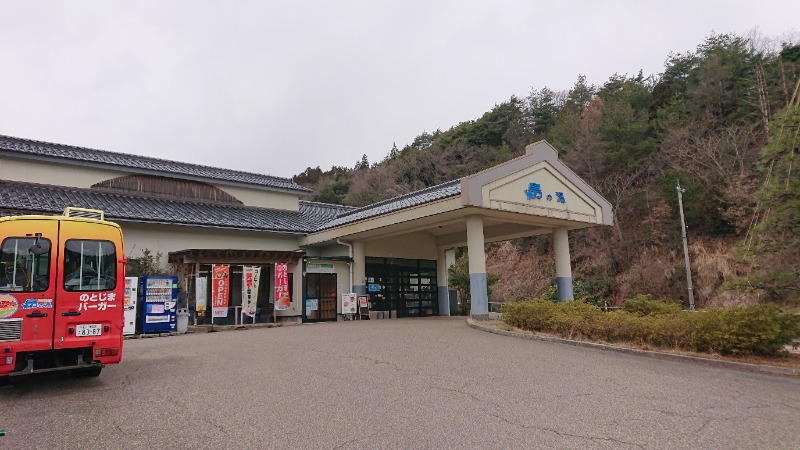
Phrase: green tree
(774, 244)
(458, 276)
(363, 163)
(147, 264)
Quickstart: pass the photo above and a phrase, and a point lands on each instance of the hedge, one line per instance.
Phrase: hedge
(755, 330)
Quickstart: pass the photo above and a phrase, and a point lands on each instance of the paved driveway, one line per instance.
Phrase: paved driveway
(425, 383)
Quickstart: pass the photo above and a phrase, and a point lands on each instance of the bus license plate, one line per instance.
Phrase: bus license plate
(92, 329)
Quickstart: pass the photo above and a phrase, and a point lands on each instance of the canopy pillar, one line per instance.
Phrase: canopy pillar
(477, 269)
(563, 267)
(442, 282)
(359, 268)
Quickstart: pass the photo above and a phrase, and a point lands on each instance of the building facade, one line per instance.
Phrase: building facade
(395, 251)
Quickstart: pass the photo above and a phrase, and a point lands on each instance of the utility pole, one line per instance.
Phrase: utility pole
(685, 248)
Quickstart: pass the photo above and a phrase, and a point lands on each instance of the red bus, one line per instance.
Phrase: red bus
(62, 289)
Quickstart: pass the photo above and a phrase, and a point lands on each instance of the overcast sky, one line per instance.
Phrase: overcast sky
(276, 86)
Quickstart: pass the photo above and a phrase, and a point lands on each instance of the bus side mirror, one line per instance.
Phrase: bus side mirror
(39, 247)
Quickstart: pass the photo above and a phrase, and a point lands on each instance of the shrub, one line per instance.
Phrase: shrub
(755, 330)
(644, 305)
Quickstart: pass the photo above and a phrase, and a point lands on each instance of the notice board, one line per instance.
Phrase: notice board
(363, 306)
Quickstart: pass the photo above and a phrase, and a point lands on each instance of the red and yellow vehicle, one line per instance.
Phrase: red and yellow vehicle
(62, 286)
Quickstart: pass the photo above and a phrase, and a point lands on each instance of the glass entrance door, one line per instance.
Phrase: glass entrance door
(405, 286)
(321, 297)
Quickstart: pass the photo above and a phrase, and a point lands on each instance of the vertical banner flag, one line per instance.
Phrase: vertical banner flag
(219, 291)
(200, 295)
(282, 300)
(250, 275)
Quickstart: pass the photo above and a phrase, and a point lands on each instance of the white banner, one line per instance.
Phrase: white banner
(250, 278)
(200, 295)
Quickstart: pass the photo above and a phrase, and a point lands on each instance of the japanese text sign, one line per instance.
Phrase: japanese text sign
(219, 290)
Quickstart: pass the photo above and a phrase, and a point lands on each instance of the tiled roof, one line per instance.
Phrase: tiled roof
(319, 214)
(427, 195)
(25, 198)
(143, 164)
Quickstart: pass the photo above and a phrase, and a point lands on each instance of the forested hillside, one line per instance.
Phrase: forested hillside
(723, 119)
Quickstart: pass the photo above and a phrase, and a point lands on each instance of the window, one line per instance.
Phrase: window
(25, 264)
(89, 265)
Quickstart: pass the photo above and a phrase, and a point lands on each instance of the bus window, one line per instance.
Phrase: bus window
(89, 265)
(25, 264)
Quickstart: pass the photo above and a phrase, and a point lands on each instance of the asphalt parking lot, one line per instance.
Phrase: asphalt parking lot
(421, 383)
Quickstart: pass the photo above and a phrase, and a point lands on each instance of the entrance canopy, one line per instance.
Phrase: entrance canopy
(530, 195)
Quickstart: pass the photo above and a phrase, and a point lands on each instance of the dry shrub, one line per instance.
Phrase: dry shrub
(648, 274)
(713, 262)
(522, 275)
(754, 330)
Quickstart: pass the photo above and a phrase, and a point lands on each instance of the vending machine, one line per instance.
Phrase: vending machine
(159, 300)
(131, 297)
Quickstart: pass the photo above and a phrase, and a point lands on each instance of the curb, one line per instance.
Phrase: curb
(745, 367)
(205, 329)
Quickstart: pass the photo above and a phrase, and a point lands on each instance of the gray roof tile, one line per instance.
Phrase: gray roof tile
(27, 198)
(143, 163)
(416, 198)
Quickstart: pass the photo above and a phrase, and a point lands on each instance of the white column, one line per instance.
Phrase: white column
(563, 267)
(441, 281)
(359, 268)
(477, 269)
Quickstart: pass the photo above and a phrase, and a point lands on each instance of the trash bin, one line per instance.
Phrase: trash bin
(183, 320)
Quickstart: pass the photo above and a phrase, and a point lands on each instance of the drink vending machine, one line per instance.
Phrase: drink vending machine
(131, 296)
(158, 297)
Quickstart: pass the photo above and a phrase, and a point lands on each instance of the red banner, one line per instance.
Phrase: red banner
(282, 300)
(219, 290)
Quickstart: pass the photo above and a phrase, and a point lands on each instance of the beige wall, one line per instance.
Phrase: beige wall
(262, 198)
(329, 250)
(29, 171)
(165, 239)
(420, 245)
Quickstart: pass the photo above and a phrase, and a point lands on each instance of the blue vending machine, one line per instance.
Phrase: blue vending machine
(158, 297)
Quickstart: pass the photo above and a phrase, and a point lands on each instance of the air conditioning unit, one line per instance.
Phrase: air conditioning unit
(85, 213)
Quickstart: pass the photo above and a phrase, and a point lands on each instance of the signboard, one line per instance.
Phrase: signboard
(250, 278)
(312, 304)
(200, 296)
(349, 303)
(282, 300)
(534, 192)
(374, 287)
(363, 306)
(319, 268)
(220, 284)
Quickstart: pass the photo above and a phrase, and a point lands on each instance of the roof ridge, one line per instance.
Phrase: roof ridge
(146, 158)
(399, 197)
(332, 205)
